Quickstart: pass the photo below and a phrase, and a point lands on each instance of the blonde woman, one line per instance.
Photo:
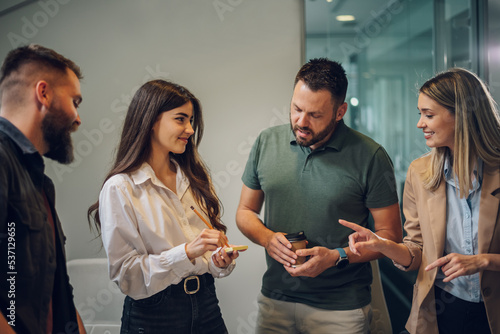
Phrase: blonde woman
(451, 205)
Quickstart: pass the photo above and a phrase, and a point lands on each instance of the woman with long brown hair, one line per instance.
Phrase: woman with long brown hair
(451, 203)
(160, 252)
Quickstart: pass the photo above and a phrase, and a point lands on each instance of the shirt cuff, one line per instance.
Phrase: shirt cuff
(413, 249)
(220, 272)
(177, 259)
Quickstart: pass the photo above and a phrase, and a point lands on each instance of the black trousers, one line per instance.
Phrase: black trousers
(455, 315)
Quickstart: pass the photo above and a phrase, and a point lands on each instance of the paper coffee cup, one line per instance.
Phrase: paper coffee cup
(298, 241)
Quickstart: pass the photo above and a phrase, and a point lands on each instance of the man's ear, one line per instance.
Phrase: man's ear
(42, 93)
(339, 114)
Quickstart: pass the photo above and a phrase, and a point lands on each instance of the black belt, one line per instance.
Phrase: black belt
(192, 284)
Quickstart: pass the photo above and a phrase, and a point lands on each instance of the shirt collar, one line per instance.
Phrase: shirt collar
(478, 173)
(447, 169)
(336, 141)
(146, 172)
(33, 161)
(17, 136)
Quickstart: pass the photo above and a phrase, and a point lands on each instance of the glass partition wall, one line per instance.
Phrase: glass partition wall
(389, 49)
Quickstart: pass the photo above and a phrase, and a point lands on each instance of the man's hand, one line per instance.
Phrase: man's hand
(320, 259)
(280, 249)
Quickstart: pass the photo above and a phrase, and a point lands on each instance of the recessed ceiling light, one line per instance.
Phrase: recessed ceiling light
(329, 0)
(345, 18)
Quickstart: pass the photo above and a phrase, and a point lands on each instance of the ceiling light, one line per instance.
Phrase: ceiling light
(345, 18)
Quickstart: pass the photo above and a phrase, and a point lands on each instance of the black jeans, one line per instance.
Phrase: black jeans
(455, 316)
(174, 311)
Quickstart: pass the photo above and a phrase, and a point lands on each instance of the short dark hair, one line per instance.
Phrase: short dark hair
(322, 73)
(43, 57)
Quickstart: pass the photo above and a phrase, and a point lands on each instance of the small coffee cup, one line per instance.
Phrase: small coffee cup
(298, 241)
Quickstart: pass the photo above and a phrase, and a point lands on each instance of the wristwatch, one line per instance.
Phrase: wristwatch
(343, 260)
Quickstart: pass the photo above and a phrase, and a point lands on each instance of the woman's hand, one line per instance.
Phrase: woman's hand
(222, 259)
(455, 265)
(363, 238)
(207, 240)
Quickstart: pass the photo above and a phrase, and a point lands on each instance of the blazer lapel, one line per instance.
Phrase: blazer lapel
(437, 214)
(488, 207)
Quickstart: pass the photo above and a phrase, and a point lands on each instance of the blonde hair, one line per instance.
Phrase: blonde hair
(477, 126)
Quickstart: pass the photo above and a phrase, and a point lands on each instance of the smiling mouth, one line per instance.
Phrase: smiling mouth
(427, 135)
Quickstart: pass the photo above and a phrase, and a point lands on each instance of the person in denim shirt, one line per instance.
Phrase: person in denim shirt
(451, 204)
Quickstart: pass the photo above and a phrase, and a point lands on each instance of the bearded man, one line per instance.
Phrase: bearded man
(40, 94)
(310, 174)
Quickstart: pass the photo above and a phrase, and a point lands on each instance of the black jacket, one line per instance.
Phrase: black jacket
(32, 267)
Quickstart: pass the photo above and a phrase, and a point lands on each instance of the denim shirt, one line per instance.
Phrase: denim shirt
(33, 267)
(462, 219)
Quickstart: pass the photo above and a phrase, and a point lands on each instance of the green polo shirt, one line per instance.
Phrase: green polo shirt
(310, 191)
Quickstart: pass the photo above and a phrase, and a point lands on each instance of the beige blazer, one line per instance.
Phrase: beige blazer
(425, 213)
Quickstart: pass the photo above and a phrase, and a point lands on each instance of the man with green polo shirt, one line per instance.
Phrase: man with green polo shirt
(310, 174)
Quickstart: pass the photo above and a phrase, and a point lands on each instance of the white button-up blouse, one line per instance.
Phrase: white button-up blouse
(145, 227)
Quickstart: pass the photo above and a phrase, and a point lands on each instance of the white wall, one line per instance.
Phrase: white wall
(239, 57)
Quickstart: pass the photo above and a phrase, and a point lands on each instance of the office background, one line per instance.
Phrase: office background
(239, 57)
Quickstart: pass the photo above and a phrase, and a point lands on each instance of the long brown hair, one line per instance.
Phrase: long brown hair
(477, 126)
(152, 99)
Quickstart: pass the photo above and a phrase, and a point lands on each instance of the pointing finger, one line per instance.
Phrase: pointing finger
(352, 226)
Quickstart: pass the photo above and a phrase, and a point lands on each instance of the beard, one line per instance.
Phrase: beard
(316, 137)
(56, 129)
